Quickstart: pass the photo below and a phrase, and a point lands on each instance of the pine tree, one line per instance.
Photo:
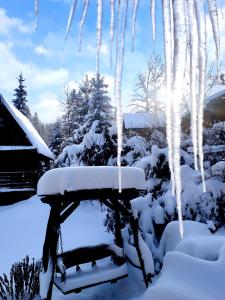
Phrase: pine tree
(98, 145)
(72, 117)
(99, 108)
(20, 100)
(57, 139)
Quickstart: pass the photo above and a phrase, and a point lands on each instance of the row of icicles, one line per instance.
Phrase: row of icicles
(184, 28)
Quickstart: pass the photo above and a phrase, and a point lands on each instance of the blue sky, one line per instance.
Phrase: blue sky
(47, 67)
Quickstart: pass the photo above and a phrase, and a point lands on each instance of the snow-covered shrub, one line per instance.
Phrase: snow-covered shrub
(70, 156)
(23, 281)
(134, 149)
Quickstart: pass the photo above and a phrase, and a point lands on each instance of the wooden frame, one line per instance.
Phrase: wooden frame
(62, 206)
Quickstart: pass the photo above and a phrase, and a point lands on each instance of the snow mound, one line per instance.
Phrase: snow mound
(171, 235)
(189, 278)
(218, 168)
(61, 180)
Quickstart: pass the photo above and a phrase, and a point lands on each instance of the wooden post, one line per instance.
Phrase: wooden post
(135, 229)
(50, 245)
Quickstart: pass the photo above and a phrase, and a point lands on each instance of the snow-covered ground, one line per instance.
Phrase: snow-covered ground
(193, 268)
(22, 232)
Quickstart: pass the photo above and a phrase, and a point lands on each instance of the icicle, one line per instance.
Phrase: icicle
(134, 16)
(177, 93)
(168, 57)
(193, 44)
(112, 24)
(99, 33)
(70, 19)
(152, 10)
(86, 4)
(118, 83)
(117, 40)
(199, 8)
(213, 13)
(36, 11)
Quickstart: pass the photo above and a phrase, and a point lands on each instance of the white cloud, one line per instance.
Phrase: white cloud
(47, 107)
(38, 78)
(8, 24)
(41, 50)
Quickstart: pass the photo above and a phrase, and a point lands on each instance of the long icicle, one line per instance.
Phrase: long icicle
(118, 21)
(177, 93)
(152, 11)
(134, 16)
(70, 18)
(112, 25)
(119, 72)
(199, 8)
(84, 15)
(99, 33)
(213, 13)
(36, 12)
(168, 62)
(193, 46)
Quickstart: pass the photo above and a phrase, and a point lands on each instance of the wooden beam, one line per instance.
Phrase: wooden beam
(68, 211)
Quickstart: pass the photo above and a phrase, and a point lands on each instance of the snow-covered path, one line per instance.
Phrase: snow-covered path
(22, 232)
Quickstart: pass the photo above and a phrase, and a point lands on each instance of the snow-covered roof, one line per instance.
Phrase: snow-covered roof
(143, 120)
(68, 179)
(215, 92)
(31, 133)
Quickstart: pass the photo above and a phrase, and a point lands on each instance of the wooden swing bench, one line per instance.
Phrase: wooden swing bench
(64, 189)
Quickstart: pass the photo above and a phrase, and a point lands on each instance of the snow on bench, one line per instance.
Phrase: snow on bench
(70, 179)
(105, 271)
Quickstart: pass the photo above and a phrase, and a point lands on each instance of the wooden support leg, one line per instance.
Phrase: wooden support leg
(135, 229)
(118, 236)
(49, 253)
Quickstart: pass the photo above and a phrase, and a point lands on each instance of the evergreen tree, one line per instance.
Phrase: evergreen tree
(20, 100)
(98, 144)
(72, 116)
(99, 108)
(57, 139)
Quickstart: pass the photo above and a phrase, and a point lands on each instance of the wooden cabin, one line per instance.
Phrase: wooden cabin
(23, 153)
(143, 124)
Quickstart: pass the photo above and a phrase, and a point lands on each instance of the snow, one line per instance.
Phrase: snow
(193, 267)
(171, 236)
(105, 270)
(159, 215)
(9, 190)
(22, 231)
(188, 278)
(143, 120)
(215, 92)
(57, 181)
(29, 130)
(9, 148)
(218, 168)
(210, 149)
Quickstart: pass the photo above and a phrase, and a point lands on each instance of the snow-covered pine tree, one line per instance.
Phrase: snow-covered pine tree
(57, 138)
(20, 100)
(99, 107)
(98, 143)
(71, 118)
